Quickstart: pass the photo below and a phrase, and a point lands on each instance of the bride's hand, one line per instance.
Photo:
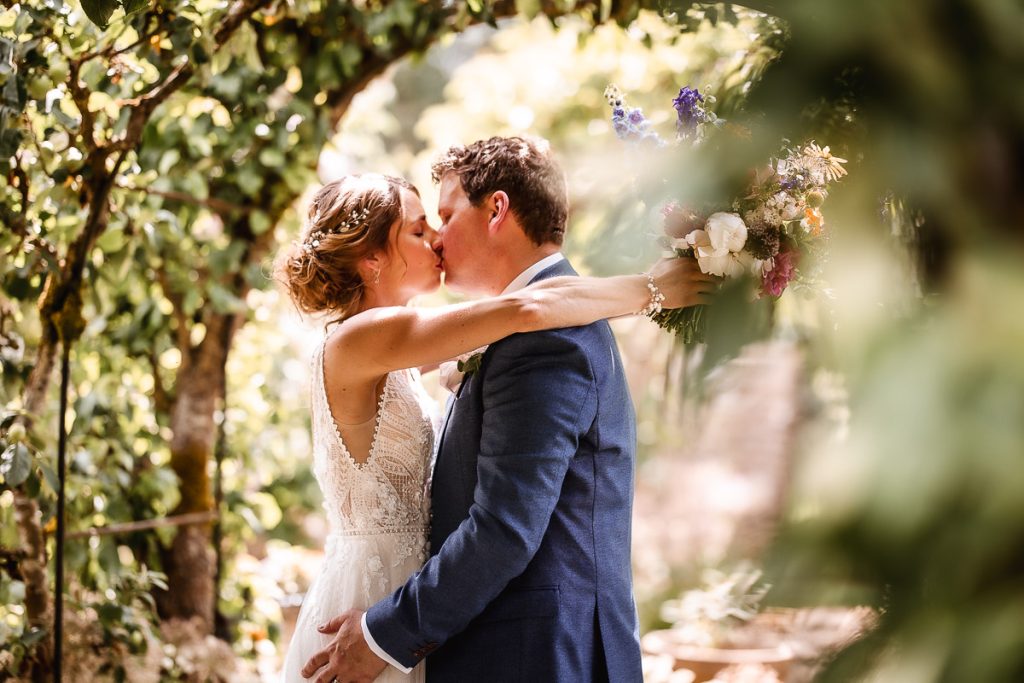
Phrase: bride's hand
(682, 283)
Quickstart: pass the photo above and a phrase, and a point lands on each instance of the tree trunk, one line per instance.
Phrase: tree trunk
(33, 572)
(190, 561)
(60, 313)
(62, 294)
(28, 518)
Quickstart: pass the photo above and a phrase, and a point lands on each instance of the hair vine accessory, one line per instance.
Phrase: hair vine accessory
(356, 219)
(653, 306)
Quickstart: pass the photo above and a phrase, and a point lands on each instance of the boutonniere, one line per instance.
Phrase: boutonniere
(470, 365)
(455, 370)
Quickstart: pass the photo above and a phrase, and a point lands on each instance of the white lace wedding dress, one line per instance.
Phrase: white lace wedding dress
(378, 511)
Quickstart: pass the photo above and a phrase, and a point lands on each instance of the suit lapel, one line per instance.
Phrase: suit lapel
(447, 418)
(563, 267)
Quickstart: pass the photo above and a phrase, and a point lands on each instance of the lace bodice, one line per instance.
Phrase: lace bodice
(390, 491)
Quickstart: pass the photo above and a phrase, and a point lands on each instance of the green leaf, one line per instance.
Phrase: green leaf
(99, 11)
(32, 637)
(272, 158)
(349, 57)
(223, 300)
(733, 321)
(249, 180)
(7, 19)
(168, 161)
(133, 6)
(15, 464)
(112, 241)
(33, 485)
(50, 475)
(528, 8)
(259, 222)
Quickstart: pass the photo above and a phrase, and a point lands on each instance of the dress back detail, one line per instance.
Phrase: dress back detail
(389, 492)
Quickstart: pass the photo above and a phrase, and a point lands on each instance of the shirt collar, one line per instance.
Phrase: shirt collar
(524, 277)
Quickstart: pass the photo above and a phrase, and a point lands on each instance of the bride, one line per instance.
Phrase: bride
(367, 250)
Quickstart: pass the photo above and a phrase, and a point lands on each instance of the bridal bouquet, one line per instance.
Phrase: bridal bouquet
(764, 233)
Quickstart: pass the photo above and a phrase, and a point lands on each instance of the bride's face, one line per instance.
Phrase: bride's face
(415, 267)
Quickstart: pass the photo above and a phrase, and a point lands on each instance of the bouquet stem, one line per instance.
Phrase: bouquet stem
(687, 323)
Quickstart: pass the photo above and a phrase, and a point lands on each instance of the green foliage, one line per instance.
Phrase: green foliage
(912, 504)
(100, 11)
(197, 206)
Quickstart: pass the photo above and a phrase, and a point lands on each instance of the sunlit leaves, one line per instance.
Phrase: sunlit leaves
(15, 464)
(100, 11)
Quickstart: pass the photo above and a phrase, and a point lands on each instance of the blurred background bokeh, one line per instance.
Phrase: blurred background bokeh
(867, 453)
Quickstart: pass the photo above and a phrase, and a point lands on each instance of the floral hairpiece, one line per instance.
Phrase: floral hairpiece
(356, 219)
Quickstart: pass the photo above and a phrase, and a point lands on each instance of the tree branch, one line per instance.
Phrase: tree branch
(186, 519)
(81, 100)
(182, 336)
(218, 206)
(109, 50)
(143, 106)
(20, 225)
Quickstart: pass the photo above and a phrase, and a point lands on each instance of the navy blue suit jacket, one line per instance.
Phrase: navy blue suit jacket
(530, 576)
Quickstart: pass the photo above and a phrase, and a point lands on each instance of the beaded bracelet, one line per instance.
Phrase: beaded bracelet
(653, 306)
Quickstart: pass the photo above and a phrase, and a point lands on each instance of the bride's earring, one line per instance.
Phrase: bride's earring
(376, 277)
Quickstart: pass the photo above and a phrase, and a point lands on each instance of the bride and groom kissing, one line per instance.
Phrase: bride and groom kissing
(492, 545)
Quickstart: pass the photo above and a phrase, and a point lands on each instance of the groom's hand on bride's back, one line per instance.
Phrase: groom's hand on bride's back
(346, 658)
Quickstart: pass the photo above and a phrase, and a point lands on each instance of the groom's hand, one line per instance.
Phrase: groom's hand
(347, 658)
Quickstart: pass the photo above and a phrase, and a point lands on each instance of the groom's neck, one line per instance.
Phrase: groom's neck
(517, 262)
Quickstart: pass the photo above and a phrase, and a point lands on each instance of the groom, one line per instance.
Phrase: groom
(530, 577)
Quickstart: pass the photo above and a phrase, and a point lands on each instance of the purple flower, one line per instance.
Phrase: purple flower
(629, 123)
(774, 281)
(793, 182)
(689, 110)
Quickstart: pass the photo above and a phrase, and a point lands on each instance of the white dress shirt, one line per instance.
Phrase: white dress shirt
(517, 283)
(524, 277)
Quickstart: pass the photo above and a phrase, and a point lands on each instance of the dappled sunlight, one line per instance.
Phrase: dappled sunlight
(829, 489)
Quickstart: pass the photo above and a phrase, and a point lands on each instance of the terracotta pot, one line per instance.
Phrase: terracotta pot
(706, 662)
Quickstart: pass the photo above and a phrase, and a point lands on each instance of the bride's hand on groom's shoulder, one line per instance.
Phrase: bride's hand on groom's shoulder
(682, 282)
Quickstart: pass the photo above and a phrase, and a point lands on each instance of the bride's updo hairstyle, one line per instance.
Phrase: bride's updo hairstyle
(349, 219)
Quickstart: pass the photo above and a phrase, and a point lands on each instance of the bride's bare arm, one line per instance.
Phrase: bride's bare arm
(384, 339)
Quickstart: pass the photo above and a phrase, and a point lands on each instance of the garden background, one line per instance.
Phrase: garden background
(155, 156)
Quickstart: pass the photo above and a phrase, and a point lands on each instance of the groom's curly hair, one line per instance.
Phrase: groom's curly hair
(525, 170)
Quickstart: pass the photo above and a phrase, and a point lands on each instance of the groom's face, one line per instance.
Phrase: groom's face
(464, 238)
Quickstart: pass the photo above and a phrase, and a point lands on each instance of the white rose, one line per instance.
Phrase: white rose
(727, 231)
(712, 260)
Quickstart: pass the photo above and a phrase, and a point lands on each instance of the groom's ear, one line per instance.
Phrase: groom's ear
(498, 206)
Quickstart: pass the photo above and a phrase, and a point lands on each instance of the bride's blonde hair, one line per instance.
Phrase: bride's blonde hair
(349, 219)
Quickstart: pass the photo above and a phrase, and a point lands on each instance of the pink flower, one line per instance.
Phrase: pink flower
(774, 281)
